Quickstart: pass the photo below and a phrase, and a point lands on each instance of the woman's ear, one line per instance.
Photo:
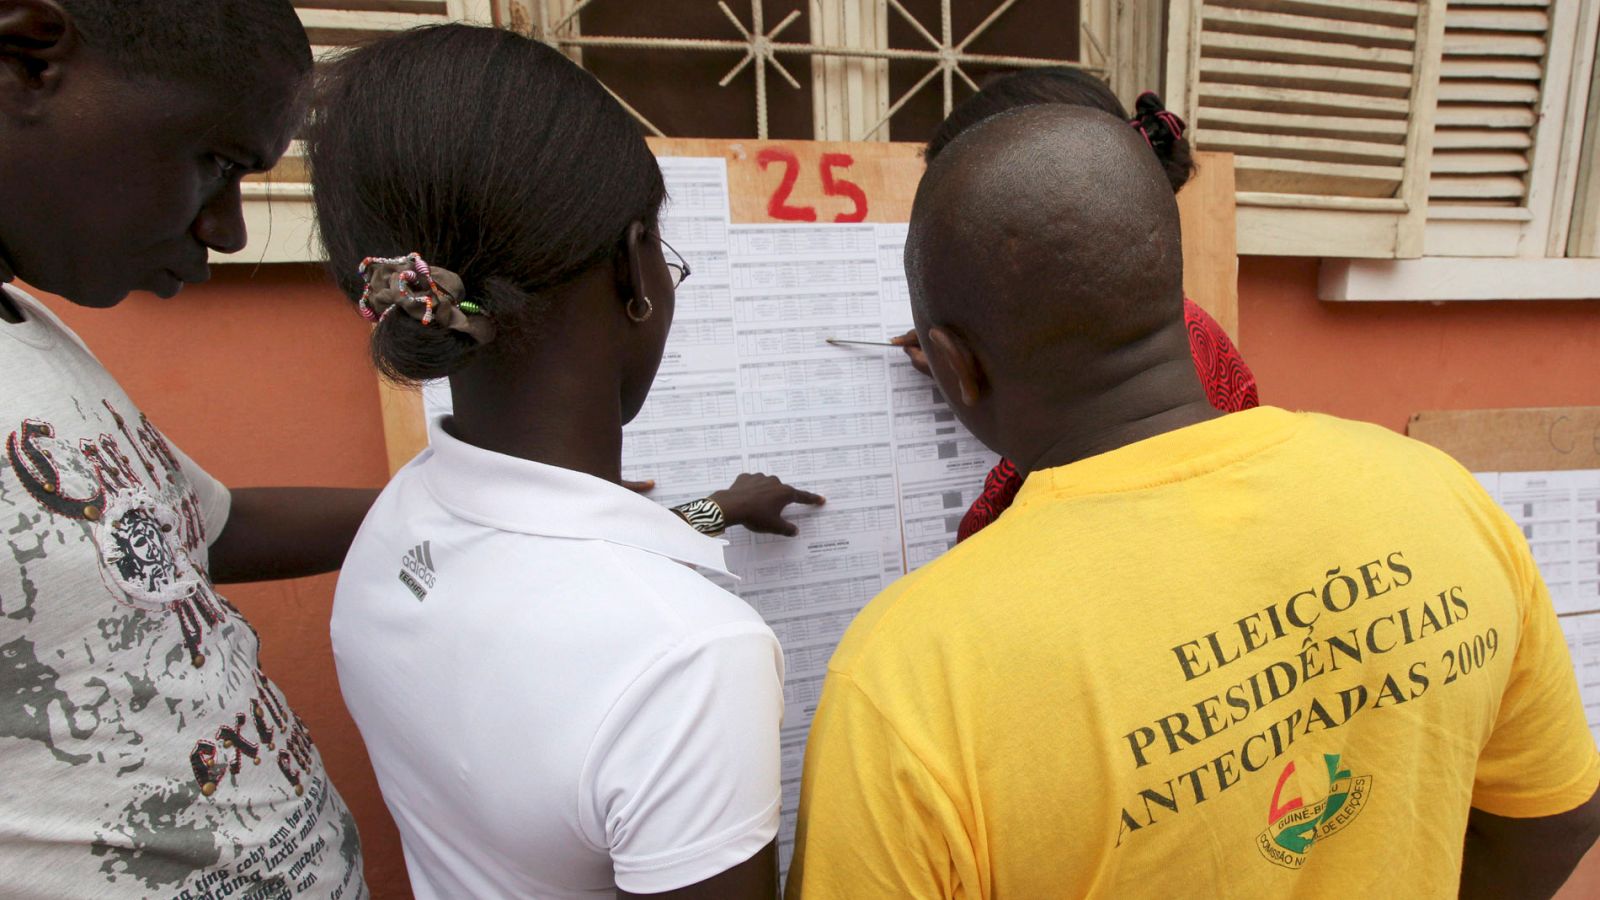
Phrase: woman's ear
(956, 369)
(637, 296)
(35, 37)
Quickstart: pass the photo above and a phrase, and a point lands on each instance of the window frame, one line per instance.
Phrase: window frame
(278, 212)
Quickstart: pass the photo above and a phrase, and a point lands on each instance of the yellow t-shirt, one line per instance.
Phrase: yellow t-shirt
(1272, 654)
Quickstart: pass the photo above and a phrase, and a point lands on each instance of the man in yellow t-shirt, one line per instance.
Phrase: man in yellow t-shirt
(1261, 655)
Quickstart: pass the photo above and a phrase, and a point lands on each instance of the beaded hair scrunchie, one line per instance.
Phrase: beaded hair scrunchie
(429, 294)
(1149, 108)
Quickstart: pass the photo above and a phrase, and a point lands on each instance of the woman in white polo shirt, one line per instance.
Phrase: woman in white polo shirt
(557, 704)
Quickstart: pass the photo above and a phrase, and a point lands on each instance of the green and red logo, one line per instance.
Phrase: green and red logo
(1303, 813)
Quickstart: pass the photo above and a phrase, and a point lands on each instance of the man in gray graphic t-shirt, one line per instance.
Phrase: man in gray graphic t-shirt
(142, 750)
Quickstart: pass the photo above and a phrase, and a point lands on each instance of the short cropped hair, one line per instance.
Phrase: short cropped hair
(226, 42)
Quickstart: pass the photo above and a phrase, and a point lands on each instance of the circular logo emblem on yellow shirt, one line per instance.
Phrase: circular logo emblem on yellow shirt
(1314, 799)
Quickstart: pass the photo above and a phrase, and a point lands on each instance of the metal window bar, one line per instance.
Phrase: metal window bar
(761, 48)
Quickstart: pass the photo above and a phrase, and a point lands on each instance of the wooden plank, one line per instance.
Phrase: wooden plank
(1552, 438)
(345, 19)
(1476, 115)
(1455, 162)
(1293, 176)
(1229, 45)
(1279, 24)
(1570, 163)
(1481, 138)
(1312, 202)
(1210, 240)
(1389, 12)
(1467, 43)
(1441, 278)
(849, 95)
(1481, 187)
(1272, 231)
(1470, 211)
(1482, 237)
(1459, 91)
(1183, 56)
(405, 428)
(1334, 79)
(1583, 238)
(423, 7)
(1486, 67)
(1267, 99)
(1389, 131)
(1513, 20)
(1411, 230)
(1299, 147)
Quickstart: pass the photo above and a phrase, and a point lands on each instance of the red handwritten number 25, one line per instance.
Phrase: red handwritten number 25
(778, 205)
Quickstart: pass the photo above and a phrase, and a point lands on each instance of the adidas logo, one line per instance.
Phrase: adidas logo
(416, 570)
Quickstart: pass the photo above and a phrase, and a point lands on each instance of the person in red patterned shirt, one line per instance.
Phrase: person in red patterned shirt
(1228, 381)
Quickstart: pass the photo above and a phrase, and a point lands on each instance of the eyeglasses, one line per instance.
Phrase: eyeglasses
(680, 269)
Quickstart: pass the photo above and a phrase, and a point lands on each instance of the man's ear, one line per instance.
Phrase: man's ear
(954, 366)
(36, 37)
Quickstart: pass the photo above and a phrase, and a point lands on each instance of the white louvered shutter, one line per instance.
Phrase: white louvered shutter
(1502, 127)
(1323, 103)
(1489, 87)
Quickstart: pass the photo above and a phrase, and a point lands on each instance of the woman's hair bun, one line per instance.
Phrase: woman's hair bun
(1164, 132)
(406, 351)
(521, 174)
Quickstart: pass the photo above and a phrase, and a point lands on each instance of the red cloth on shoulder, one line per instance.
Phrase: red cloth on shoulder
(1229, 384)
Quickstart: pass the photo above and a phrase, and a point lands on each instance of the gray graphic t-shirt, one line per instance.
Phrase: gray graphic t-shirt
(142, 751)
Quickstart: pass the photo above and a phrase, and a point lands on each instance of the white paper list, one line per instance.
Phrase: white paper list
(940, 465)
(1559, 514)
(687, 438)
(820, 419)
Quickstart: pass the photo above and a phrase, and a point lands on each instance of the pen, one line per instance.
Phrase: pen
(841, 341)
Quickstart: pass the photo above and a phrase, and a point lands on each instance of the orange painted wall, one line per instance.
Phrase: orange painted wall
(262, 377)
(1384, 361)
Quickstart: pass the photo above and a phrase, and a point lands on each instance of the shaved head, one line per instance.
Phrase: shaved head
(1043, 230)
(1044, 250)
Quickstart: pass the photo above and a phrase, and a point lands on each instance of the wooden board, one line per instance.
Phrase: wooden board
(1514, 440)
(887, 176)
(1210, 235)
(405, 428)
(821, 181)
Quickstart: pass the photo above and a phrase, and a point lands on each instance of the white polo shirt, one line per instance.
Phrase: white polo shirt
(555, 703)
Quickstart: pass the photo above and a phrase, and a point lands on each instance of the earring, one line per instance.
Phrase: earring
(638, 317)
